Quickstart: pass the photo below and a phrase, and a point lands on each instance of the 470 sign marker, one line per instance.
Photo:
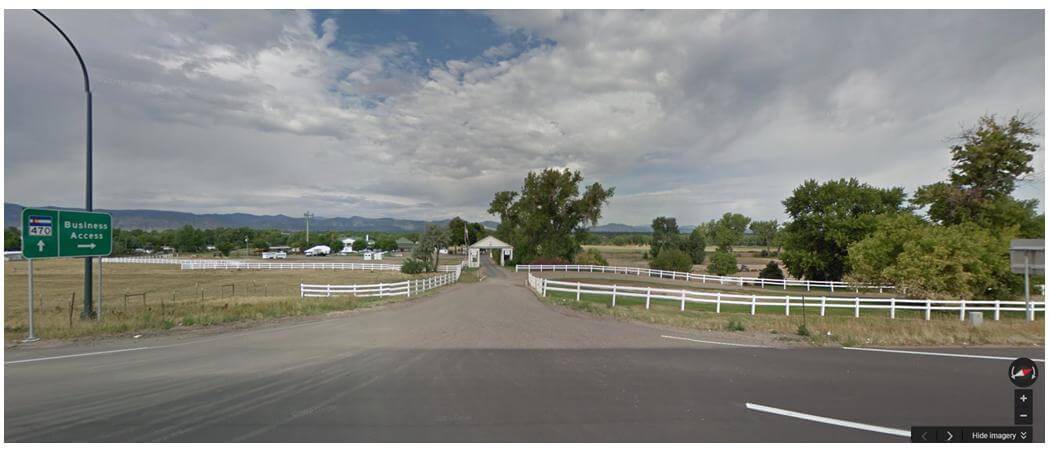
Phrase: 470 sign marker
(52, 233)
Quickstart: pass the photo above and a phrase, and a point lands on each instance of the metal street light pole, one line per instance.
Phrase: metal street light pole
(88, 309)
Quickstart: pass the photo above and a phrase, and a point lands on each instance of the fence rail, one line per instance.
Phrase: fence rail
(703, 278)
(405, 288)
(148, 260)
(218, 264)
(682, 296)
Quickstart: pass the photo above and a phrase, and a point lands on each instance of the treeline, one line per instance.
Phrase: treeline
(226, 240)
(948, 240)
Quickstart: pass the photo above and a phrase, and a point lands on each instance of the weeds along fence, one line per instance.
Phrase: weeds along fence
(543, 287)
(703, 278)
(406, 288)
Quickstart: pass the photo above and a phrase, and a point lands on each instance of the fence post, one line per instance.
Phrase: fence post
(614, 295)
(893, 306)
(856, 306)
(787, 305)
(301, 293)
(762, 282)
(328, 290)
(996, 309)
(832, 284)
(823, 304)
(754, 298)
(544, 287)
(807, 285)
(408, 289)
(578, 291)
(718, 303)
(962, 310)
(683, 300)
(648, 294)
(928, 307)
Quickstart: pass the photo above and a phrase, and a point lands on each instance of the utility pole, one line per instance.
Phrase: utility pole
(88, 311)
(307, 216)
(466, 237)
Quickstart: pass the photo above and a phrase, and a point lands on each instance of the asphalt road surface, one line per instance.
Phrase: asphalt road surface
(488, 362)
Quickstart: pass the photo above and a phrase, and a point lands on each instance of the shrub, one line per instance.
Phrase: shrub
(672, 259)
(591, 257)
(413, 265)
(722, 263)
(548, 261)
(735, 325)
(772, 270)
(803, 330)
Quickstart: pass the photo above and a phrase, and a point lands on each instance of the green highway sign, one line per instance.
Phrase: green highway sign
(51, 233)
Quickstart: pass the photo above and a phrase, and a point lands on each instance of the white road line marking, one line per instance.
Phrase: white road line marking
(955, 355)
(828, 420)
(712, 342)
(77, 355)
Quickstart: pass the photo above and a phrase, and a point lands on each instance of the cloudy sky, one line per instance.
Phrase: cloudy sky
(425, 115)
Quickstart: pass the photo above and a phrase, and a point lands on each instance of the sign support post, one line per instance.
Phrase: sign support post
(32, 336)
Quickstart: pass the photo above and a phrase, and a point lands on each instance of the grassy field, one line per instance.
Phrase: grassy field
(631, 256)
(838, 327)
(140, 297)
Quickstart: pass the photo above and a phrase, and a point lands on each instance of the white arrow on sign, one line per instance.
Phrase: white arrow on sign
(40, 245)
(91, 245)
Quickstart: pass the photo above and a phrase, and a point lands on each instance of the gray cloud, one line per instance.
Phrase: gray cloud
(688, 114)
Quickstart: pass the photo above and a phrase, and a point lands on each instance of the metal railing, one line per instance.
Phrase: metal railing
(543, 286)
(703, 278)
(405, 288)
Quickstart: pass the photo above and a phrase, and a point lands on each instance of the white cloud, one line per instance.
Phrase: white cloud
(689, 114)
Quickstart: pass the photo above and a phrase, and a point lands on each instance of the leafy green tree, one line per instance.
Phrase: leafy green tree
(728, 231)
(225, 248)
(771, 271)
(765, 232)
(12, 239)
(934, 261)
(987, 162)
(696, 245)
(456, 229)
(826, 218)
(723, 263)
(548, 218)
(426, 250)
(671, 258)
(665, 235)
(386, 244)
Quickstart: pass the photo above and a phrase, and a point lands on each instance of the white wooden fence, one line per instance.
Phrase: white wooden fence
(223, 264)
(406, 288)
(682, 296)
(148, 260)
(703, 278)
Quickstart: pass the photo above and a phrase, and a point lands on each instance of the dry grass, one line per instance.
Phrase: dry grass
(173, 297)
(834, 329)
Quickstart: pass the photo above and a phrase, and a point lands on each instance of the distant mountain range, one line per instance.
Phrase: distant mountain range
(149, 219)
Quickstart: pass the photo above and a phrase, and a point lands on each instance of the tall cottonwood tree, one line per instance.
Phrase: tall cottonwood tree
(548, 218)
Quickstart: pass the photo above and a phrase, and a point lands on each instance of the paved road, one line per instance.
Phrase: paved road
(488, 362)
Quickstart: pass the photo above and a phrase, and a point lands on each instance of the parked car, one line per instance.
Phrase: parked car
(274, 255)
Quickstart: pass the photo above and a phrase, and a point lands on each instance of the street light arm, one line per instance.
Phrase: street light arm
(83, 68)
